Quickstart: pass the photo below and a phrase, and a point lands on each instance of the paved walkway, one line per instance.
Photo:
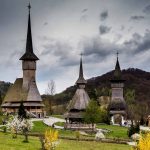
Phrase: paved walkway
(144, 128)
(132, 143)
(51, 120)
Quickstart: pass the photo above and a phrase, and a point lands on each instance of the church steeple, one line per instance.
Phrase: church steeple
(81, 79)
(29, 54)
(117, 72)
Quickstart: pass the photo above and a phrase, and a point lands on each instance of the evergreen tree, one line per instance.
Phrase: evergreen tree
(21, 111)
(1, 98)
(92, 114)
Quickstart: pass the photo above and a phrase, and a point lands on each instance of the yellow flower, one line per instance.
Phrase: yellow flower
(51, 136)
(144, 142)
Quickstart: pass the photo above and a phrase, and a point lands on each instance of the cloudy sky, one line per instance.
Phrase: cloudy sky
(62, 29)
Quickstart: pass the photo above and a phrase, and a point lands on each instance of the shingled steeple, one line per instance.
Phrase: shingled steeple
(81, 79)
(117, 72)
(80, 100)
(29, 54)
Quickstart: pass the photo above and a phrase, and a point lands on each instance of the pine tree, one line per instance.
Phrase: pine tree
(21, 111)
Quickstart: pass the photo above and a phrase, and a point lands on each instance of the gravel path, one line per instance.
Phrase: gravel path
(51, 120)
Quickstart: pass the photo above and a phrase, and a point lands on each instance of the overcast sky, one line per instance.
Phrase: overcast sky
(62, 29)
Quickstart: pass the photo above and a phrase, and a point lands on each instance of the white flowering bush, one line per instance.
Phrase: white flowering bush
(26, 126)
(14, 126)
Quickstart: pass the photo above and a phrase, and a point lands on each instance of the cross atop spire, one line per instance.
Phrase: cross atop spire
(117, 54)
(29, 54)
(29, 6)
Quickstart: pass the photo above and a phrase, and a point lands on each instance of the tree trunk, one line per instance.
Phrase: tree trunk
(26, 135)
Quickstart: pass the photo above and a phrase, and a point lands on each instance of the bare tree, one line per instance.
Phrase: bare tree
(51, 88)
(50, 91)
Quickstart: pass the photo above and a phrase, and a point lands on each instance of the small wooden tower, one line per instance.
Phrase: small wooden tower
(25, 89)
(79, 101)
(117, 107)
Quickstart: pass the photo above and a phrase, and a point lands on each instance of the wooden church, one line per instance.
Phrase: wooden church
(79, 102)
(25, 89)
(117, 106)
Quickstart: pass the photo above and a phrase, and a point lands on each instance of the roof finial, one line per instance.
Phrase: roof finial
(117, 54)
(29, 7)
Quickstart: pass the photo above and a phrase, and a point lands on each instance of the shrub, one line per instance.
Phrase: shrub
(51, 139)
(14, 126)
(77, 134)
(133, 129)
(144, 143)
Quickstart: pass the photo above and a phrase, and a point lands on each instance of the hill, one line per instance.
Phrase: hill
(135, 79)
(3, 89)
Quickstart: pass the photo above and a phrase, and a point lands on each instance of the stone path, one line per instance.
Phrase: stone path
(144, 128)
(132, 143)
(51, 120)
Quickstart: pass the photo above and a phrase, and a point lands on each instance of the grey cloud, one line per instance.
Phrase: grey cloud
(83, 18)
(147, 9)
(84, 10)
(137, 18)
(122, 27)
(104, 15)
(62, 50)
(57, 48)
(45, 23)
(104, 29)
(138, 43)
(98, 47)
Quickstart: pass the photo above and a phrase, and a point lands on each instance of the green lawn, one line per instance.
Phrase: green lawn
(58, 116)
(84, 145)
(60, 124)
(34, 144)
(39, 127)
(7, 143)
(116, 131)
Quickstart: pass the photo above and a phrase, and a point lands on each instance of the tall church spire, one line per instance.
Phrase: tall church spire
(29, 54)
(117, 72)
(81, 79)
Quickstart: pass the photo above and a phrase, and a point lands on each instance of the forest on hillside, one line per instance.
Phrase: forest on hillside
(136, 90)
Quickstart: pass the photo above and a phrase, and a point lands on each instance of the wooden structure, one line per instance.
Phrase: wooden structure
(79, 101)
(117, 106)
(25, 89)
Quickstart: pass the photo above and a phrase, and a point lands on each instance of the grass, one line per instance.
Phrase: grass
(1, 118)
(34, 144)
(116, 131)
(60, 124)
(7, 143)
(84, 145)
(39, 127)
(58, 116)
